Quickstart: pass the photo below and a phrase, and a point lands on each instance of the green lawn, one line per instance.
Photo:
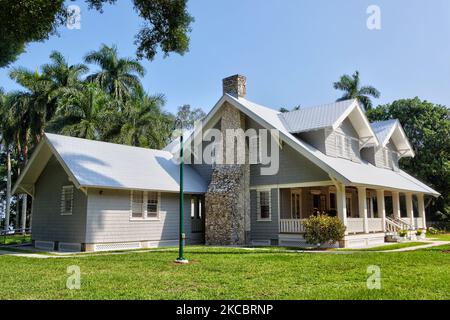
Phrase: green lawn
(15, 239)
(231, 274)
(442, 237)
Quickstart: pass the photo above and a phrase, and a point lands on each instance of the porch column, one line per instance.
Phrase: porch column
(396, 204)
(341, 203)
(409, 209)
(362, 204)
(381, 208)
(421, 208)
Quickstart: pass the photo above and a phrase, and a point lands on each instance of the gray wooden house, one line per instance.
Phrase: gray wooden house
(94, 196)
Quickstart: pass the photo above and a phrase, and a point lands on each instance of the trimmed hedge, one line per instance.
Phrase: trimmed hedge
(323, 229)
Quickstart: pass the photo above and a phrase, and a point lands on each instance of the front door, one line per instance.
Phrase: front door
(197, 220)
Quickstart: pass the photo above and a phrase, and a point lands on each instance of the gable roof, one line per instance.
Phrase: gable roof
(106, 165)
(330, 116)
(392, 129)
(318, 117)
(345, 171)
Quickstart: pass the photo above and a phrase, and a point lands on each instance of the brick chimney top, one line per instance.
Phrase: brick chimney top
(235, 86)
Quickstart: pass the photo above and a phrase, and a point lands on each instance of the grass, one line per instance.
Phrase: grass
(225, 273)
(15, 239)
(441, 237)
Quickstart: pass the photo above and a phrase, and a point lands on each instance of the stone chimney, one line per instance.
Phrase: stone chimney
(235, 86)
(227, 201)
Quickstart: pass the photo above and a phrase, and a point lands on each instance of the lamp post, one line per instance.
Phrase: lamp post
(182, 237)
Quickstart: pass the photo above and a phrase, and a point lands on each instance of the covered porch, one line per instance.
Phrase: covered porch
(363, 210)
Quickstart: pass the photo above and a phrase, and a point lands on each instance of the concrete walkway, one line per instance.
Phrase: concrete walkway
(47, 255)
(429, 245)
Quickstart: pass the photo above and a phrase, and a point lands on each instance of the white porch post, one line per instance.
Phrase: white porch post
(381, 208)
(421, 208)
(396, 204)
(24, 211)
(409, 209)
(362, 204)
(341, 203)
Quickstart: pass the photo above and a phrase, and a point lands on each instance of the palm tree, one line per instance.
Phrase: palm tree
(31, 105)
(62, 77)
(352, 90)
(141, 123)
(118, 76)
(82, 112)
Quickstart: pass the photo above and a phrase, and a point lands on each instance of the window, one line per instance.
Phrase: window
(152, 205)
(332, 201)
(346, 146)
(144, 205)
(196, 207)
(137, 204)
(263, 205)
(67, 200)
(318, 202)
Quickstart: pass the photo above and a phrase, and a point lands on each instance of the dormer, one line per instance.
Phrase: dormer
(393, 146)
(338, 129)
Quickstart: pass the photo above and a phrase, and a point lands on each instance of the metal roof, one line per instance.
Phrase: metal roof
(107, 165)
(348, 172)
(383, 129)
(392, 129)
(318, 117)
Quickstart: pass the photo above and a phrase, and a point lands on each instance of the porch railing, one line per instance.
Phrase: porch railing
(355, 225)
(375, 224)
(291, 226)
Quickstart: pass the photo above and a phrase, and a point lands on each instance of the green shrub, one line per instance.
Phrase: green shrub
(403, 233)
(432, 230)
(322, 229)
(419, 232)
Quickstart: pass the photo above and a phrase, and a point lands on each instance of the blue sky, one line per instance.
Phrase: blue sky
(290, 50)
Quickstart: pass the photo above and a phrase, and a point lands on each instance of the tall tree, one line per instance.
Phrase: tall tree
(82, 112)
(427, 126)
(31, 104)
(166, 25)
(118, 76)
(8, 129)
(189, 116)
(141, 122)
(62, 77)
(351, 85)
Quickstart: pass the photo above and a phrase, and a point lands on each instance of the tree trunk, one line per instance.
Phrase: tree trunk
(8, 191)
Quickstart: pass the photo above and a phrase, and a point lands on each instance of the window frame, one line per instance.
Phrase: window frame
(145, 212)
(258, 205)
(63, 200)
